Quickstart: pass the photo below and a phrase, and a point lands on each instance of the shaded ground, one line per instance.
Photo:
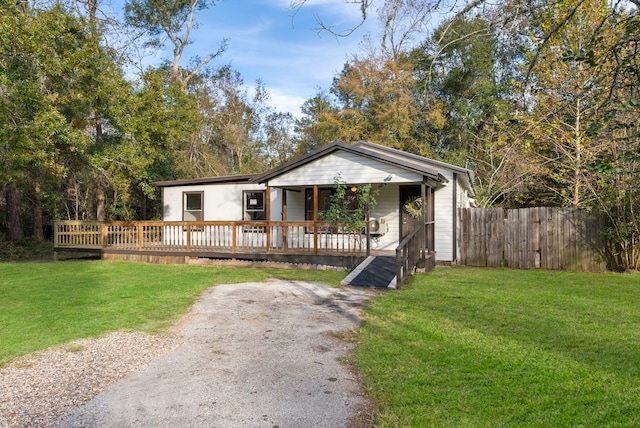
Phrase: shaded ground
(255, 355)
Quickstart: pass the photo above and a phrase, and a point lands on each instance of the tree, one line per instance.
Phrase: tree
(567, 94)
(316, 127)
(237, 122)
(464, 82)
(350, 207)
(280, 144)
(37, 138)
(457, 75)
(175, 19)
(373, 102)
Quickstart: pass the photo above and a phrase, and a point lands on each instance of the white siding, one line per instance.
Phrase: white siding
(221, 201)
(276, 204)
(443, 229)
(353, 168)
(295, 206)
(446, 221)
(387, 207)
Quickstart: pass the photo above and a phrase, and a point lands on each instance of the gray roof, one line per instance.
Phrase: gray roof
(411, 158)
(226, 179)
(429, 168)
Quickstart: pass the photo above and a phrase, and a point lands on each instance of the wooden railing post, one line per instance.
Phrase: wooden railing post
(399, 270)
(56, 225)
(188, 238)
(233, 237)
(268, 232)
(104, 234)
(140, 228)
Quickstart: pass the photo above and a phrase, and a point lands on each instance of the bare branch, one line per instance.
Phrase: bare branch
(296, 5)
(548, 37)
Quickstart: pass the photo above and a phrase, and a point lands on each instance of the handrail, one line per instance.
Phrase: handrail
(408, 253)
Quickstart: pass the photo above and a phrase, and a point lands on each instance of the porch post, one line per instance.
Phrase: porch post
(432, 219)
(425, 204)
(284, 204)
(285, 231)
(267, 208)
(140, 229)
(367, 228)
(315, 219)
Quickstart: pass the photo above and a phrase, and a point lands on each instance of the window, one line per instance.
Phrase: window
(324, 201)
(192, 206)
(254, 208)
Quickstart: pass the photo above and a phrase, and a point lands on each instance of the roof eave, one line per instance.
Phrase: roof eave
(227, 179)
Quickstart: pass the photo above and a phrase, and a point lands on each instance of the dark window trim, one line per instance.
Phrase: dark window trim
(246, 210)
(184, 205)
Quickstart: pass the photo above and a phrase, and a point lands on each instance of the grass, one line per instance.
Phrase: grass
(46, 304)
(464, 347)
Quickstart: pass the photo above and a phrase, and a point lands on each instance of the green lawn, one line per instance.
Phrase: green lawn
(458, 347)
(464, 347)
(46, 304)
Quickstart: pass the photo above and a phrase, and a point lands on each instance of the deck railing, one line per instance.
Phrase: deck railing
(412, 252)
(234, 237)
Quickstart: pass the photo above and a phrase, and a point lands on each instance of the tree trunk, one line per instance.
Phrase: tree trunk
(577, 157)
(101, 206)
(14, 219)
(38, 231)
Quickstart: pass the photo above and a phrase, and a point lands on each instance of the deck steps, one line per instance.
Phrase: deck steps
(374, 271)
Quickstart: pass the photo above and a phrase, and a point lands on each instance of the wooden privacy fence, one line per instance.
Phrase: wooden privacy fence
(531, 238)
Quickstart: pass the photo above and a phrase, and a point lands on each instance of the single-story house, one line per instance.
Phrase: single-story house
(301, 188)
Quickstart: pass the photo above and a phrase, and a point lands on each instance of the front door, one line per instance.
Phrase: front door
(408, 222)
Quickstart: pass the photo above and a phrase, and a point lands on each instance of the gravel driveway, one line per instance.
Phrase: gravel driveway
(253, 355)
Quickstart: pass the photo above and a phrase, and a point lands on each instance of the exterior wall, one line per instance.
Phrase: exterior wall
(354, 169)
(464, 201)
(447, 221)
(276, 204)
(221, 202)
(387, 207)
(443, 229)
(295, 206)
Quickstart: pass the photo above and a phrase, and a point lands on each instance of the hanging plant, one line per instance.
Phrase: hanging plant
(414, 207)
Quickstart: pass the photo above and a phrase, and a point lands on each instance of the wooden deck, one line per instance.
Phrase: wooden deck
(298, 242)
(209, 237)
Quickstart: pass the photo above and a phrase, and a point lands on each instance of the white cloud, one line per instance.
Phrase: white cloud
(284, 101)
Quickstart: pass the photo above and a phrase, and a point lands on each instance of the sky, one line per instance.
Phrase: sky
(271, 42)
